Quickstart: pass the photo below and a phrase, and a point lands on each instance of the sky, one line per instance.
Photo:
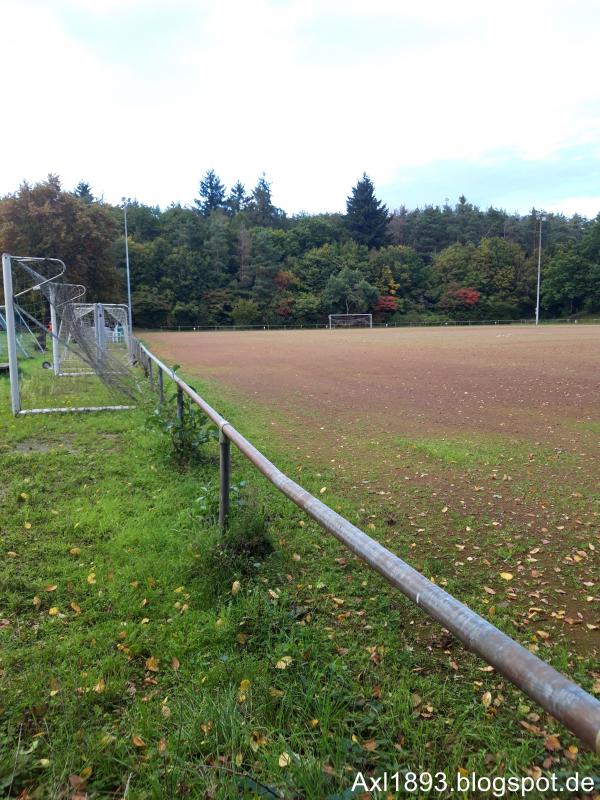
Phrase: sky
(499, 101)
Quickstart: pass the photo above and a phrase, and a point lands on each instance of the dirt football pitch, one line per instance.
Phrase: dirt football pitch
(471, 451)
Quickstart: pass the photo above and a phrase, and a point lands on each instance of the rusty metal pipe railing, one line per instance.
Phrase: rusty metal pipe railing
(562, 698)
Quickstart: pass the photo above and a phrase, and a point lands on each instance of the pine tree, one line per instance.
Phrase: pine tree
(212, 193)
(238, 199)
(84, 191)
(262, 211)
(367, 217)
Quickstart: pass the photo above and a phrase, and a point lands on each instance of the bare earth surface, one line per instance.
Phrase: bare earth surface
(471, 452)
(517, 380)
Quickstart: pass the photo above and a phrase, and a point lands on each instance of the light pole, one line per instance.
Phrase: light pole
(125, 201)
(539, 273)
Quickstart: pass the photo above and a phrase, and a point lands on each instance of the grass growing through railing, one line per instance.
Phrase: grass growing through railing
(144, 655)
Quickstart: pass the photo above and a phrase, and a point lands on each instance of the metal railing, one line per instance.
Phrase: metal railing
(562, 698)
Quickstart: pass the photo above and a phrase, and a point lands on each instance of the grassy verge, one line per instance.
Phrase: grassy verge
(141, 658)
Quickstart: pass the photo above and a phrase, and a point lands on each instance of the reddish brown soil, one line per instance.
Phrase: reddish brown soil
(342, 399)
(519, 380)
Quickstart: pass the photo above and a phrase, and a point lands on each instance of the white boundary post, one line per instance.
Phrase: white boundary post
(54, 331)
(11, 334)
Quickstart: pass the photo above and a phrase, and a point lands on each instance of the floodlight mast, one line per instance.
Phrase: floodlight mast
(125, 201)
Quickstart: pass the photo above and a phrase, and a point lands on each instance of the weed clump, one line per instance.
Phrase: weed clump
(245, 544)
(183, 439)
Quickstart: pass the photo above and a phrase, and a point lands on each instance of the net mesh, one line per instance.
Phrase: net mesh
(85, 347)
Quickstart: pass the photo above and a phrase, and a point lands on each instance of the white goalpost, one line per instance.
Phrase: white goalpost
(350, 320)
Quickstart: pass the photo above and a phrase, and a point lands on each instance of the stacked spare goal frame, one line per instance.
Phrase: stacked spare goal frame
(89, 341)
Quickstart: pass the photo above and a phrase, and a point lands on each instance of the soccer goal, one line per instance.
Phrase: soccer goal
(350, 320)
(63, 354)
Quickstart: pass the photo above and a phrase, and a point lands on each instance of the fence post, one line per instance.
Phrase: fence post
(224, 479)
(161, 387)
(179, 403)
(150, 373)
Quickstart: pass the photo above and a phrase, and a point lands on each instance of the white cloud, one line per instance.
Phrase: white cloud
(247, 86)
(586, 206)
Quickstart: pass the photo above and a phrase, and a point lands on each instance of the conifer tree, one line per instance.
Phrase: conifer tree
(212, 193)
(367, 217)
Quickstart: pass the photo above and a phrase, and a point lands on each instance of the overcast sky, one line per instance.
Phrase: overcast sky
(499, 101)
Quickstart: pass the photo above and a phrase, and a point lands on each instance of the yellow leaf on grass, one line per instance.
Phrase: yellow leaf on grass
(239, 758)
(74, 551)
(91, 578)
(244, 685)
(76, 608)
(285, 760)
(284, 662)
(85, 773)
(235, 587)
(52, 587)
(145, 621)
(152, 664)
(175, 663)
(100, 686)
(27, 525)
(53, 612)
(36, 601)
(506, 576)
(138, 741)
(486, 699)
(275, 692)
(370, 745)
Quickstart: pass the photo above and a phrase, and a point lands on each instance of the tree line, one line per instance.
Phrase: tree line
(235, 258)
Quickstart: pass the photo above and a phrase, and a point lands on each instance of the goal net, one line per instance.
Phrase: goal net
(350, 320)
(62, 353)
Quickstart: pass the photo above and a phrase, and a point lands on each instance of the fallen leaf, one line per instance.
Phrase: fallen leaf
(370, 745)
(91, 578)
(53, 612)
(284, 662)
(552, 742)
(486, 699)
(162, 746)
(76, 608)
(100, 686)
(74, 551)
(152, 664)
(175, 663)
(275, 692)
(138, 741)
(285, 760)
(235, 587)
(506, 576)
(52, 587)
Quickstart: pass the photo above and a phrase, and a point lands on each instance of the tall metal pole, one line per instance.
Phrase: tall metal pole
(11, 334)
(539, 274)
(54, 329)
(129, 316)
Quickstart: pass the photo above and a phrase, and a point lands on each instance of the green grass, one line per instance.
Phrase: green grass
(154, 677)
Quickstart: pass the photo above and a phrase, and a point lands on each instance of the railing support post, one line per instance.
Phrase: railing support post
(224, 475)
(150, 373)
(161, 386)
(179, 403)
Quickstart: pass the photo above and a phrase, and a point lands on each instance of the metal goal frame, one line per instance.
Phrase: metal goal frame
(349, 320)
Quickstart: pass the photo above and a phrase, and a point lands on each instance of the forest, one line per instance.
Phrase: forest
(234, 258)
